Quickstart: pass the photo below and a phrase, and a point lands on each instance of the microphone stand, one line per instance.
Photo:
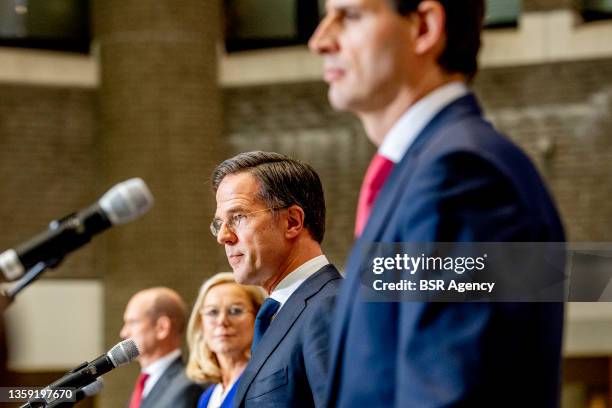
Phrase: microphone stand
(30, 276)
(68, 225)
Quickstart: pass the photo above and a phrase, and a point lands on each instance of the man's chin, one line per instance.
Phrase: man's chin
(342, 102)
(243, 277)
(337, 100)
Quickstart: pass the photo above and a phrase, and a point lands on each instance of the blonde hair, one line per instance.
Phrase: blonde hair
(202, 366)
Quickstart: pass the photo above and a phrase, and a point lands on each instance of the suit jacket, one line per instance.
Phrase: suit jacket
(289, 365)
(460, 181)
(173, 389)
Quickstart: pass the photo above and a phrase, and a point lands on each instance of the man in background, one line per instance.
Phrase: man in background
(155, 318)
(441, 174)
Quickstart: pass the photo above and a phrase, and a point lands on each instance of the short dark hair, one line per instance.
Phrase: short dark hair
(283, 181)
(464, 20)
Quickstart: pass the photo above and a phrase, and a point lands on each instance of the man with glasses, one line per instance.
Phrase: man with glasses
(270, 218)
(155, 319)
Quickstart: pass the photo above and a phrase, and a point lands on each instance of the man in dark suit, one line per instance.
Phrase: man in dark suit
(441, 174)
(270, 218)
(155, 319)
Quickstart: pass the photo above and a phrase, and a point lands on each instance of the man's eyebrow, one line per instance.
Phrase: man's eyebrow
(340, 6)
(233, 210)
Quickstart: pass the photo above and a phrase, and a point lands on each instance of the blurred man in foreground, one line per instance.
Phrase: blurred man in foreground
(441, 174)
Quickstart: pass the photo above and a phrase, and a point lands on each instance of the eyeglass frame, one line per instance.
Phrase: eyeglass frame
(244, 310)
(232, 225)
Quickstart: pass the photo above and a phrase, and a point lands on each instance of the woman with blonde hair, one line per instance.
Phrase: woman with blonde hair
(219, 335)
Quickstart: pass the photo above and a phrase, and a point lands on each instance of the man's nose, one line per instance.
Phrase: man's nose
(226, 236)
(324, 40)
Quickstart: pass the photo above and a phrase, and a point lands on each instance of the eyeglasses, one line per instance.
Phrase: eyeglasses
(233, 312)
(234, 221)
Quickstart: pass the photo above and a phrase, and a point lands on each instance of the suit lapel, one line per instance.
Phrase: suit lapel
(373, 231)
(402, 172)
(161, 384)
(281, 325)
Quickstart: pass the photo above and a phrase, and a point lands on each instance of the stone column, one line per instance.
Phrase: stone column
(159, 118)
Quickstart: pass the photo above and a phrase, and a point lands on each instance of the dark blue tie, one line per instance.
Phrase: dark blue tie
(263, 320)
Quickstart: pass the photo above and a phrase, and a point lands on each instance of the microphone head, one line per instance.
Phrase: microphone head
(123, 352)
(95, 387)
(10, 265)
(126, 201)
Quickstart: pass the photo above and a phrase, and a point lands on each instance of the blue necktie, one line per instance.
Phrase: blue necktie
(263, 320)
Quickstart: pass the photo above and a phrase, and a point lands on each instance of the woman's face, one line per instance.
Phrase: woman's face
(228, 318)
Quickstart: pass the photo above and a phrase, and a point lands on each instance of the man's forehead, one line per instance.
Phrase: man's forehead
(133, 311)
(140, 302)
(238, 189)
(339, 4)
(243, 182)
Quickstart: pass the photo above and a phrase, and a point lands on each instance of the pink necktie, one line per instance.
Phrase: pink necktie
(138, 389)
(378, 171)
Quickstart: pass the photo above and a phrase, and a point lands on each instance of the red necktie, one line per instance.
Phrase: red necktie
(138, 388)
(378, 171)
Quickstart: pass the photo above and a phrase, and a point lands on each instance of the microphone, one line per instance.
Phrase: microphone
(86, 373)
(87, 391)
(90, 389)
(121, 204)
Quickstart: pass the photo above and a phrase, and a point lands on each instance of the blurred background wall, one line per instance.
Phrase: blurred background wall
(155, 96)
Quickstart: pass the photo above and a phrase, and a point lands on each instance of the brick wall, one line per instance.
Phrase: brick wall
(560, 113)
(159, 117)
(295, 119)
(46, 148)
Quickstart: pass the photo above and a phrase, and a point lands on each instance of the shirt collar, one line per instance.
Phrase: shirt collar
(157, 368)
(160, 365)
(413, 121)
(291, 282)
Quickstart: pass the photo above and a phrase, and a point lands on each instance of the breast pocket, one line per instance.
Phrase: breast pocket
(268, 383)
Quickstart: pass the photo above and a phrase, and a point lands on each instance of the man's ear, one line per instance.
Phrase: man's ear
(431, 35)
(295, 221)
(163, 326)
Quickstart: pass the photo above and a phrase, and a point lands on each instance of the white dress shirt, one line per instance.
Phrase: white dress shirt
(294, 280)
(157, 368)
(413, 121)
